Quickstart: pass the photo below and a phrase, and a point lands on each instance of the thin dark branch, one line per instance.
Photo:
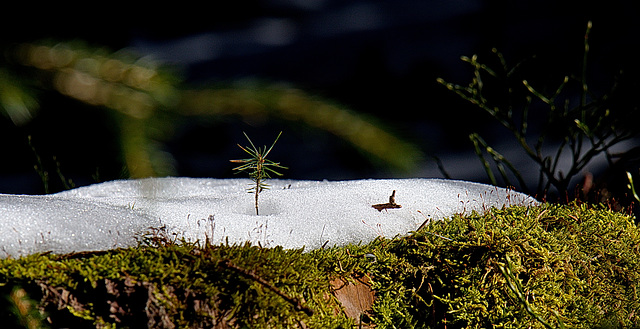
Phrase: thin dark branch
(253, 276)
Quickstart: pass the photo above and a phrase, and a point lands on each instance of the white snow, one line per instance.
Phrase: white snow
(293, 213)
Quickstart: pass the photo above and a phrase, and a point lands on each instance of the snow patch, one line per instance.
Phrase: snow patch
(293, 213)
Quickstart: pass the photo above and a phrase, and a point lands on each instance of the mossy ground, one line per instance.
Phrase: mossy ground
(576, 266)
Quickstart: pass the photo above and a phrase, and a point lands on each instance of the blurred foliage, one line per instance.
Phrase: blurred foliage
(545, 266)
(579, 131)
(632, 187)
(258, 101)
(16, 101)
(24, 312)
(148, 97)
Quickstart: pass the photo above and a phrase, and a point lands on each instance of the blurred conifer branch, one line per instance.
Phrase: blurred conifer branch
(583, 131)
(141, 89)
(251, 101)
(16, 99)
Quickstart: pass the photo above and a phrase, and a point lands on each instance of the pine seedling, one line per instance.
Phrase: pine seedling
(258, 167)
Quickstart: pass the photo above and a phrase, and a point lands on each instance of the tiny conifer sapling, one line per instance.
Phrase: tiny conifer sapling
(258, 167)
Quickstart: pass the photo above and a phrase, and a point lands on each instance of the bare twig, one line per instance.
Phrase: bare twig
(389, 205)
(253, 276)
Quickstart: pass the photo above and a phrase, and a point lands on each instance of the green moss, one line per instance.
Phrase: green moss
(183, 283)
(579, 262)
(573, 266)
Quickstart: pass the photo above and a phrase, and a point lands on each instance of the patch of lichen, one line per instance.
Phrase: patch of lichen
(546, 266)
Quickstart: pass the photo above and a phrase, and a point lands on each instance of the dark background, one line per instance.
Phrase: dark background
(381, 58)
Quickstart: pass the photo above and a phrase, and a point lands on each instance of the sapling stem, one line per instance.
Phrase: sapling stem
(258, 166)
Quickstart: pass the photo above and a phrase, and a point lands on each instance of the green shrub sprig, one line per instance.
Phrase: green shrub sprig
(583, 132)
